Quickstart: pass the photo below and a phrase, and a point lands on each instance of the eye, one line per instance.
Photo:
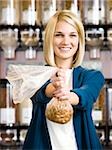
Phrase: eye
(73, 35)
(58, 35)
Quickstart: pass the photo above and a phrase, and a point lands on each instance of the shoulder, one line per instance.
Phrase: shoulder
(83, 70)
(88, 73)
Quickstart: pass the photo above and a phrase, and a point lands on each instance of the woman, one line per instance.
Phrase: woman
(64, 48)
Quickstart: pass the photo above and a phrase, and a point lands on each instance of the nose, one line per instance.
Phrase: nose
(66, 40)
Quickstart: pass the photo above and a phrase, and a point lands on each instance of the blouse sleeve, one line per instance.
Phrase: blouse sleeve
(92, 82)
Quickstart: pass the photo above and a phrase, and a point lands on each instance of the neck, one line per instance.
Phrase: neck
(65, 64)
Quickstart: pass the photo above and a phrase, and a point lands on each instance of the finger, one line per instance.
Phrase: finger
(59, 93)
(60, 72)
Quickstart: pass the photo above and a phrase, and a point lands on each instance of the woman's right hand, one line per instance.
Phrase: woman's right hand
(58, 79)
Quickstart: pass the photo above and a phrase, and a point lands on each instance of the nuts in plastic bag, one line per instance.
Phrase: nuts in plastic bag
(59, 111)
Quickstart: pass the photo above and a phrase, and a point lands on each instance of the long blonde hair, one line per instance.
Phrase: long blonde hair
(71, 18)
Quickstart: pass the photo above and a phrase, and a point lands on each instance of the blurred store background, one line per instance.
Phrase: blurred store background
(22, 24)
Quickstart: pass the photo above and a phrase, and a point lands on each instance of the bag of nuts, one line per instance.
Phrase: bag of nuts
(59, 111)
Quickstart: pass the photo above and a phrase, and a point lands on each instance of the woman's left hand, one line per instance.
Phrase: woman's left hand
(62, 93)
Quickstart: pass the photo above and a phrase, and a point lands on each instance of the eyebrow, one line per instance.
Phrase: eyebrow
(62, 32)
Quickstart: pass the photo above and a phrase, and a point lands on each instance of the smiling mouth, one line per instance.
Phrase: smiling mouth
(65, 48)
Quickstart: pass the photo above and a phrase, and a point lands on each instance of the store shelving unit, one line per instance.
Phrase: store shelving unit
(104, 126)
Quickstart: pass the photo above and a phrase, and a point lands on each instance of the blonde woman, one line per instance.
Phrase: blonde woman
(64, 45)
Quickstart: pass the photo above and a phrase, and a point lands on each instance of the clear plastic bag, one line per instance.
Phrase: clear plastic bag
(27, 79)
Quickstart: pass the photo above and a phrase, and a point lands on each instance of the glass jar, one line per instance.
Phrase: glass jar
(38, 12)
(7, 112)
(74, 7)
(30, 39)
(25, 112)
(48, 9)
(7, 109)
(9, 42)
(28, 12)
(9, 12)
(109, 11)
(91, 12)
(94, 42)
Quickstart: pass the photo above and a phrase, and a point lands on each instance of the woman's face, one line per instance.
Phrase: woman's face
(65, 41)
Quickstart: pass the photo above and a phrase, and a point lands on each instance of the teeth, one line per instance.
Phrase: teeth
(65, 49)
